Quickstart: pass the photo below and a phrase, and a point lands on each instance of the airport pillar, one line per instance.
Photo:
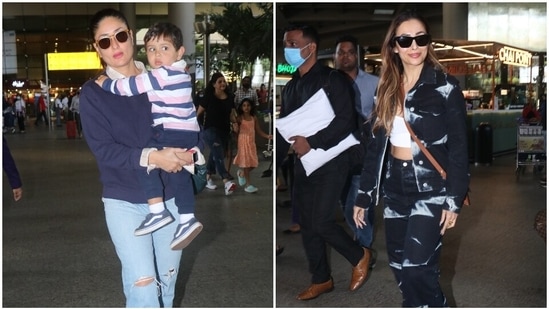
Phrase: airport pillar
(455, 21)
(183, 16)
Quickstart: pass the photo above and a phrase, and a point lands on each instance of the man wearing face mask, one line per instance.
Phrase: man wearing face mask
(316, 195)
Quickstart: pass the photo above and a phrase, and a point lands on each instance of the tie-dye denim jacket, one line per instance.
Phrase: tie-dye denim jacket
(435, 109)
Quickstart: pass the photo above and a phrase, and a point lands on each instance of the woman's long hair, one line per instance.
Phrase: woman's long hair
(389, 95)
(210, 90)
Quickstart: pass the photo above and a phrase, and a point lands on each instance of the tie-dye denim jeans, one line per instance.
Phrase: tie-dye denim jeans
(413, 235)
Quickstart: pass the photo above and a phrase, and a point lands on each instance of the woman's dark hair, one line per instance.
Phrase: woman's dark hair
(100, 15)
(167, 31)
(210, 90)
(239, 110)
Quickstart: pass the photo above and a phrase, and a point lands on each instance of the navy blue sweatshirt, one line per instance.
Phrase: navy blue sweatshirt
(10, 168)
(117, 129)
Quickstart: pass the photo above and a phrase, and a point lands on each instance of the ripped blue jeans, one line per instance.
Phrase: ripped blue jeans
(412, 234)
(142, 256)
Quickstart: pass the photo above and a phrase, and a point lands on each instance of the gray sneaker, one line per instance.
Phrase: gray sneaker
(185, 233)
(153, 222)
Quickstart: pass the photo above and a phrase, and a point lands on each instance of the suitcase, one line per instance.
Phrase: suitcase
(71, 129)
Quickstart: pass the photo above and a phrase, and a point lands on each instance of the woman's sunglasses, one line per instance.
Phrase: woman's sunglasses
(406, 41)
(121, 37)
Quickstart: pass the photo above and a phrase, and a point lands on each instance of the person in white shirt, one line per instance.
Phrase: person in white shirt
(20, 113)
(61, 104)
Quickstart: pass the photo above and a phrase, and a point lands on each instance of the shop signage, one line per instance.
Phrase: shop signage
(513, 56)
(284, 68)
(18, 84)
(467, 69)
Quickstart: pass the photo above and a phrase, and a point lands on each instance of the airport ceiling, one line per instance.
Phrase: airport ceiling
(366, 21)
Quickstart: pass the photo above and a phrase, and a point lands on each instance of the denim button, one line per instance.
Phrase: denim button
(404, 163)
(425, 185)
(420, 162)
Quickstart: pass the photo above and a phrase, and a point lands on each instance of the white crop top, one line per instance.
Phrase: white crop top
(400, 136)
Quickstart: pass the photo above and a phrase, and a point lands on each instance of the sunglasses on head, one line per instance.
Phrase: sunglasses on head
(121, 37)
(406, 41)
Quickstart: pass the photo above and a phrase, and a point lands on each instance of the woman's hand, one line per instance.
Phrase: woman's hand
(447, 220)
(235, 127)
(358, 217)
(170, 159)
(100, 80)
(17, 193)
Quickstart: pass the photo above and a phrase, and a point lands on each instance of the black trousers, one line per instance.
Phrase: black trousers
(316, 198)
(21, 121)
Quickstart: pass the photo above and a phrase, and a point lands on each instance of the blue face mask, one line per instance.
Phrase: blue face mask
(293, 56)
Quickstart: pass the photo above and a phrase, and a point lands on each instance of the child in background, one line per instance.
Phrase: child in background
(246, 126)
(169, 89)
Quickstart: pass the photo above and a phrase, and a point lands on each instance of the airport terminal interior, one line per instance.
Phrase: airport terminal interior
(56, 248)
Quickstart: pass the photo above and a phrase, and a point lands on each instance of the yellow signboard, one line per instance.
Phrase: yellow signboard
(73, 61)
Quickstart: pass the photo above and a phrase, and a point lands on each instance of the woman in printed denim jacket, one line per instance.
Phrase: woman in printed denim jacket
(419, 205)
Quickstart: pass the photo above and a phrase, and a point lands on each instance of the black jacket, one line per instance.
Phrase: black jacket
(435, 109)
(341, 94)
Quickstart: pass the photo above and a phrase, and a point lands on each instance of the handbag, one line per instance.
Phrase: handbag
(467, 200)
(199, 178)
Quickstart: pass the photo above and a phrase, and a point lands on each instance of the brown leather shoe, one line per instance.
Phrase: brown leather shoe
(314, 290)
(361, 271)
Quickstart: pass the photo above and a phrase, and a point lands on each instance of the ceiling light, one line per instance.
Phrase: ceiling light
(383, 11)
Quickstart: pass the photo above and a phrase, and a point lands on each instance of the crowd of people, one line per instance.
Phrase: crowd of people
(380, 138)
(375, 148)
(18, 109)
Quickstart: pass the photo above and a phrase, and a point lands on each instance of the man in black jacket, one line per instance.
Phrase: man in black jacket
(317, 195)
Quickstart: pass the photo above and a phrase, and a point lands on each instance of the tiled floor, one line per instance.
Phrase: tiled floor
(57, 251)
(493, 258)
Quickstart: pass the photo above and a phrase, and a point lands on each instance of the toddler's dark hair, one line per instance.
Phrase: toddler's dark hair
(167, 31)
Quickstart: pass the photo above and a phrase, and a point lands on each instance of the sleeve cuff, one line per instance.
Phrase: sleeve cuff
(144, 160)
(362, 200)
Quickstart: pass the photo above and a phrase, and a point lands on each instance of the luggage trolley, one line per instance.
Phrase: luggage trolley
(530, 147)
(269, 151)
(267, 118)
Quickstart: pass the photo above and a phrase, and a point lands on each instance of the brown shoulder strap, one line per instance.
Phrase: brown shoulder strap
(426, 152)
